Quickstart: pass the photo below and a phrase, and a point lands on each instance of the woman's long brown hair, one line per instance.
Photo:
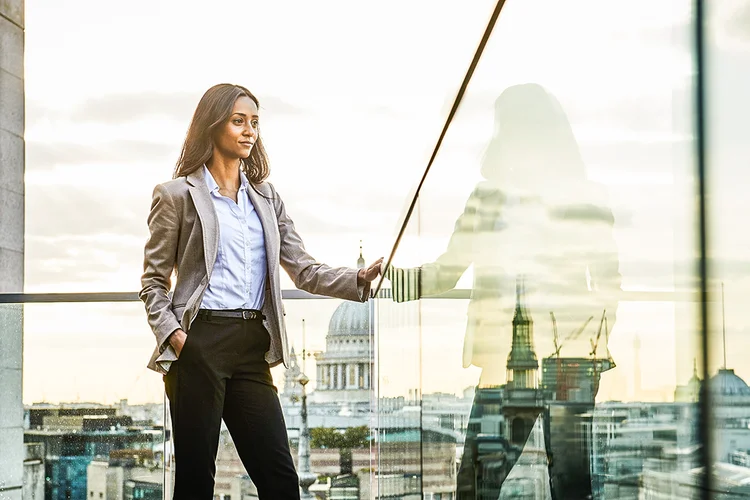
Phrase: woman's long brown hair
(214, 109)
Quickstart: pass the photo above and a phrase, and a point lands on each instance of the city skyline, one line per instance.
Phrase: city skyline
(568, 314)
(124, 119)
(140, 383)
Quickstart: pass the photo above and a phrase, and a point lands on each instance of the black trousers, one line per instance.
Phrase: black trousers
(222, 373)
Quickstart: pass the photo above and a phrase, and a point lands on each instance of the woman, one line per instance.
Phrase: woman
(534, 223)
(224, 231)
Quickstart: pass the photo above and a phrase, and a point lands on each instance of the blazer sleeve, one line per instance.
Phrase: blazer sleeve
(307, 273)
(160, 255)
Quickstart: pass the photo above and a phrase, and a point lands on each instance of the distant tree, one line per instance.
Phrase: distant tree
(328, 437)
(357, 437)
(325, 437)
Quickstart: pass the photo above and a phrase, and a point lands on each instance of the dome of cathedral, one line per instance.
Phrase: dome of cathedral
(726, 383)
(350, 318)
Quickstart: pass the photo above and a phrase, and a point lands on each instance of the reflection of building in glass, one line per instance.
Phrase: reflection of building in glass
(73, 436)
(731, 415)
(730, 482)
(522, 399)
(503, 419)
(630, 437)
(529, 477)
(650, 450)
(690, 392)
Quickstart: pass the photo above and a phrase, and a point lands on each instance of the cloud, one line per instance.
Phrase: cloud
(116, 109)
(734, 22)
(583, 213)
(79, 236)
(122, 108)
(41, 155)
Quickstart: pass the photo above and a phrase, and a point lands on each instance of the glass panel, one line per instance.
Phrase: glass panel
(728, 105)
(92, 410)
(90, 400)
(332, 340)
(553, 251)
(105, 134)
(398, 449)
(329, 339)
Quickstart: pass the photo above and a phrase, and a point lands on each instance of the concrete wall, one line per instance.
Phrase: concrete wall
(33, 472)
(11, 245)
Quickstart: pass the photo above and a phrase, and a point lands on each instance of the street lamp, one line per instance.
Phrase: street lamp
(306, 476)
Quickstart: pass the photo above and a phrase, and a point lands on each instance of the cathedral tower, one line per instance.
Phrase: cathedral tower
(522, 398)
(523, 366)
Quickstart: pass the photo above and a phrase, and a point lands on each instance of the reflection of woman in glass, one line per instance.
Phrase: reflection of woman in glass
(224, 231)
(539, 236)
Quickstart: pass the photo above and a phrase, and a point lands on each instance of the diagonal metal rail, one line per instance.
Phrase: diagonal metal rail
(451, 115)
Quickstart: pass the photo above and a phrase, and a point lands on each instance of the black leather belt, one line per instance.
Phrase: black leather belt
(237, 313)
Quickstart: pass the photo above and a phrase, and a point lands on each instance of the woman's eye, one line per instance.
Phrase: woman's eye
(254, 123)
(238, 121)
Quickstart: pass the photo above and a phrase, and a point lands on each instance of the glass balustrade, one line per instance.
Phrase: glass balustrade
(545, 314)
(96, 422)
(540, 332)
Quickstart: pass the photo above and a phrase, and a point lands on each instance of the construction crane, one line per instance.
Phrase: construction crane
(555, 337)
(562, 381)
(601, 365)
(595, 342)
(606, 346)
(572, 335)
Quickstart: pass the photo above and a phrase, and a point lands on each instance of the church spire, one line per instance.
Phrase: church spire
(522, 361)
(361, 260)
(521, 315)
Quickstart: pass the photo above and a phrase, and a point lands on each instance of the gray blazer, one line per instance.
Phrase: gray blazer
(184, 238)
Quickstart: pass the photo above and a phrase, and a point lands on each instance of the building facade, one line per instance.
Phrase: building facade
(344, 369)
(11, 245)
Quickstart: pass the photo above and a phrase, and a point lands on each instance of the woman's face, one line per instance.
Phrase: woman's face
(236, 138)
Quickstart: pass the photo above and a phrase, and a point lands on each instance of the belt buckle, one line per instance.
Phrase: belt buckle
(247, 315)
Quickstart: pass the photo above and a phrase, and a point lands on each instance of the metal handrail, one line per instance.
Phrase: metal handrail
(294, 294)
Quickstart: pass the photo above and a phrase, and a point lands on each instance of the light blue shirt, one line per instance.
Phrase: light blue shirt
(239, 276)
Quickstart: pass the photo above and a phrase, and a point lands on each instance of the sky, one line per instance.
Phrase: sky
(353, 97)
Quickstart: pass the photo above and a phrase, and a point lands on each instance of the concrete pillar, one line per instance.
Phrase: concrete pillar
(11, 245)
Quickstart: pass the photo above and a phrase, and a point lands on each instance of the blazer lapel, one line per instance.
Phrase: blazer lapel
(207, 215)
(270, 227)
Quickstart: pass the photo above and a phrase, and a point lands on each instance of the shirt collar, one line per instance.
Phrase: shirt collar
(213, 187)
